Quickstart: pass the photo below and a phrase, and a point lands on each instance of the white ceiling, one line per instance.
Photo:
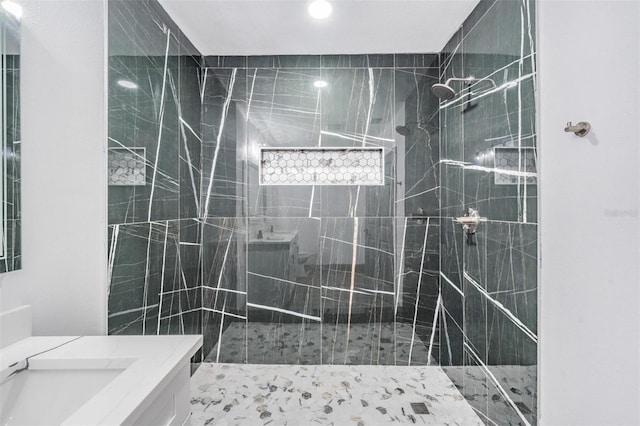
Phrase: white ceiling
(281, 27)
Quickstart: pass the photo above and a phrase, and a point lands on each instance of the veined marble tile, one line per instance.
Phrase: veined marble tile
(11, 252)
(489, 282)
(155, 247)
(153, 290)
(308, 343)
(361, 275)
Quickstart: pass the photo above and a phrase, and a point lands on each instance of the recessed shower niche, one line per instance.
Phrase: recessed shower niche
(514, 165)
(127, 167)
(322, 166)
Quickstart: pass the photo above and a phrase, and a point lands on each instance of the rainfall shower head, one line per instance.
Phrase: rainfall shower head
(443, 91)
(403, 130)
(415, 128)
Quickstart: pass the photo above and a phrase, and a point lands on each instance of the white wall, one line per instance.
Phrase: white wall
(63, 169)
(589, 70)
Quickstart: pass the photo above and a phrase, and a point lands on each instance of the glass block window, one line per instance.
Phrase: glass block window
(507, 159)
(127, 167)
(321, 166)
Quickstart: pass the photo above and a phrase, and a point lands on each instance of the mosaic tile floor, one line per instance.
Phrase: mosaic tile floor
(269, 343)
(514, 402)
(236, 394)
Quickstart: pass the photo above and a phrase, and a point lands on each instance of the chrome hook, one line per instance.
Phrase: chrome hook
(581, 129)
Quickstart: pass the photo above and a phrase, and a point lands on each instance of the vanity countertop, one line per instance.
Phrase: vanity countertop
(274, 238)
(149, 362)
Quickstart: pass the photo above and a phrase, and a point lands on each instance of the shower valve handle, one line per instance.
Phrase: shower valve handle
(470, 221)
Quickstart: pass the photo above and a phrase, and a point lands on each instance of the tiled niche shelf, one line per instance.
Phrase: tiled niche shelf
(507, 159)
(322, 166)
(127, 167)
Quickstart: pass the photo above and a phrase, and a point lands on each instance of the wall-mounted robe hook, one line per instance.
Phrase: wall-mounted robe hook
(581, 129)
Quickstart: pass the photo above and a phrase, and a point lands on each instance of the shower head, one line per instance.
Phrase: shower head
(443, 91)
(416, 128)
(403, 130)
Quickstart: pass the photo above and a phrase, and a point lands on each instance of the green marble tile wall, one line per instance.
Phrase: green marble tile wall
(355, 275)
(10, 244)
(154, 136)
(488, 326)
(343, 274)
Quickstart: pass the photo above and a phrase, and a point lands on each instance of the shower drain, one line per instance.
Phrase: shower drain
(419, 408)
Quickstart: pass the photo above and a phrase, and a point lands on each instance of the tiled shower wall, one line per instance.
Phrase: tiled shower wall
(154, 253)
(342, 274)
(488, 335)
(353, 277)
(10, 168)
(11, 258)
(185, 256)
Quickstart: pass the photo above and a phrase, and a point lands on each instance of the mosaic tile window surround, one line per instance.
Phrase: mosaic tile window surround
(322, 166)
(127, 167)
(507, 159)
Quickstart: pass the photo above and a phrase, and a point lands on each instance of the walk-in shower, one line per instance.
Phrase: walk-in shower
(327, 267)
(303, 225)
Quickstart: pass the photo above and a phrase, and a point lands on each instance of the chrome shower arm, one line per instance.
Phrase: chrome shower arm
(470, 80)
(467, 79)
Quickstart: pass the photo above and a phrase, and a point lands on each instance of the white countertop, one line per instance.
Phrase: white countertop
(274, 238)
(149, 363)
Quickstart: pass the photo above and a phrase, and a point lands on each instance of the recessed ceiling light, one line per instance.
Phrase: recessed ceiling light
(320, 9)
(13, 8)
(320, 84)
(128, 84)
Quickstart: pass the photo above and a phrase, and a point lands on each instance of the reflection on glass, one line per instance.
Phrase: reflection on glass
(10, 137)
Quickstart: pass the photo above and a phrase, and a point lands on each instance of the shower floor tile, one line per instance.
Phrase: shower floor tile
(236, 394)
(518, 382)
(359, 344)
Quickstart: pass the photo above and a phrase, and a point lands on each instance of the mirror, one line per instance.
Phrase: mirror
(10, 250)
